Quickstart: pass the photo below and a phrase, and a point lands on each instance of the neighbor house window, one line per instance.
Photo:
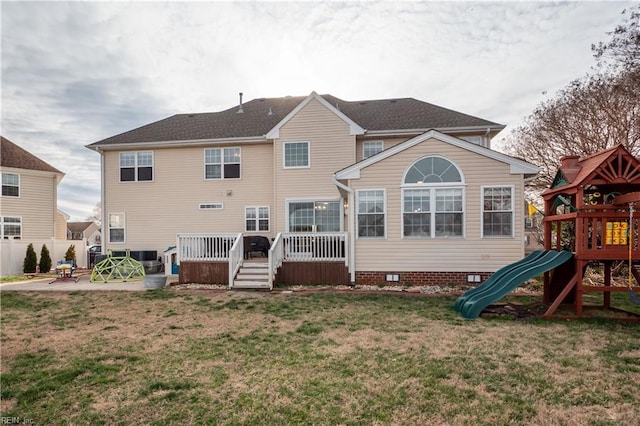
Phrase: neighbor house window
(256, 219)
(497, 211)
(10, 185)
(136, 166)
(116, 228)
(11, 228)
(314, 216)
(296, 154)
(433, 199)
(370, 148)
(371, 212)
(222, 163)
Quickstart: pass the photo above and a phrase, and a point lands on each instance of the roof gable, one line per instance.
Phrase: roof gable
(613, 165)
(79, 226)
(516, 166)
(354, 129)
(11, 155)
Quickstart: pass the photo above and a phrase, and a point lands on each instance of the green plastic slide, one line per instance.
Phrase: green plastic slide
(487, 285)
(511, 277)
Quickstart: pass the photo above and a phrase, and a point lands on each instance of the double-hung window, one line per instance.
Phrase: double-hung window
(433, 199)
(296, 154)
(116, 228)
(370, 148)
(416, 213)
(136, 166)
(256, 219)
(371, 213)
(497, 211)
(10, 185)
(222, 163)
(10, 227)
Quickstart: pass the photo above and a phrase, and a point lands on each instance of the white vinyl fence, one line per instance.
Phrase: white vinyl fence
(13, 252)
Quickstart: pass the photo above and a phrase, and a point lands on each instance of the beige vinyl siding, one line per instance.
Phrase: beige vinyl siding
(331, 149)
(158, 210)
(36, 205)
(61, 226)
(471, 253)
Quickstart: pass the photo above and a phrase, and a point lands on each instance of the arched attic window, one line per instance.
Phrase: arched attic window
(433, 199)
(432, 170)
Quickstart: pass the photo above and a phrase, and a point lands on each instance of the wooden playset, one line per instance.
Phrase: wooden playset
(592, 209)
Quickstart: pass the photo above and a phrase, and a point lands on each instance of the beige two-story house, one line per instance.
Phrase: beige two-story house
(28, 205)
(29, 196)
(392, 190)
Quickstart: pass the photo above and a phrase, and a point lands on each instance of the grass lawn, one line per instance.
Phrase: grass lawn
(201, 357)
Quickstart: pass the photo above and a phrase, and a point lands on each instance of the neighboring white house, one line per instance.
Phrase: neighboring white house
(412, 191)
(87, 231)
(28, 208)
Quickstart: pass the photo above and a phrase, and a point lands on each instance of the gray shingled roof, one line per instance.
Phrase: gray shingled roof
(78, 226)
(11, 155)
(262, 115)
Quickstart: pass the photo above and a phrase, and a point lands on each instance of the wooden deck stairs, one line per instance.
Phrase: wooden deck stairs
(252, 275)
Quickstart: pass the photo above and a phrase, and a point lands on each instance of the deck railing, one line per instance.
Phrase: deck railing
(316, 247)
(205, 247)
(276, 254)
(296, 247)
(236, 255)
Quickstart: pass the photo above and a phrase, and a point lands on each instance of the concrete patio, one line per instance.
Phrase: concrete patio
(83, 284)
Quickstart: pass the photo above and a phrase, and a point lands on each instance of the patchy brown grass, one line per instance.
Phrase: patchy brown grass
(189, 357)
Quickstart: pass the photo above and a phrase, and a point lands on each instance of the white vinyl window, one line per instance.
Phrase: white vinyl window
(10, 228)
(314, 216)
(256, 219)
(10, 185)
(370, 148)
(416, 212)
(116, 228)
(136, 166)
(477, 140)
(433, 199)
(497, 211)
(222, 163)
(371, 213)
(296, 155)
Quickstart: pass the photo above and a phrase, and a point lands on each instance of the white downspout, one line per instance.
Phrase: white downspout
(352, 230)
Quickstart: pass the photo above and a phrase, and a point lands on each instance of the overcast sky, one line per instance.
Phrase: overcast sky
(75, 73)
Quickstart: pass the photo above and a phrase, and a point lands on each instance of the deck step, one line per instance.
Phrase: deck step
(250, 284)
(255, 265)
(252, 277)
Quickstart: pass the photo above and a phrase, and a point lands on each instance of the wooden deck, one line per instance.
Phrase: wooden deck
(294, 258)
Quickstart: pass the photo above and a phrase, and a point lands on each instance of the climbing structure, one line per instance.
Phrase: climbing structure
(589, 211)
(121, 268)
